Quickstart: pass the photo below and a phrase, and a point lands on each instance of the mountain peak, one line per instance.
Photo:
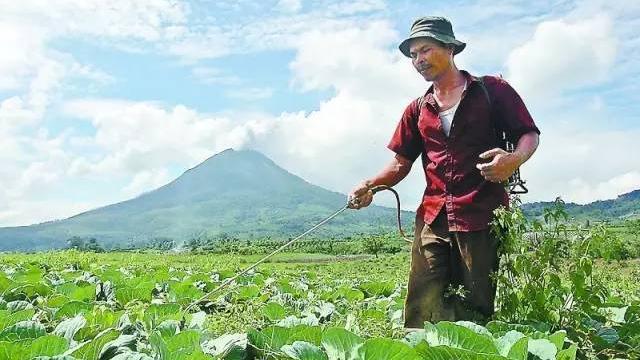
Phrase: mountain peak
(239, 192)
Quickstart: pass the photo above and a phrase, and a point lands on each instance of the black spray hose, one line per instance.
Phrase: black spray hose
(379, 188)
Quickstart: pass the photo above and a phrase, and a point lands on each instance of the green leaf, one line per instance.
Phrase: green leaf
(91, 349)
(23, 330)
(124, 343)
(226, 346)
(557, 338)
(386, 349)
(5, 282)
(186, 341)
(184, 292)
(347, 293)
(567, 354)
(447, 353)
(14, 350)
(141, 291)
(302, 350)
(48, 345)
(72, 309)
(606, 336)
(499, 328)
(513, 345)
(132, 355)
(456, 336)
(68, 328)
(157, 313)
(247, 292)
(159, 345)
(478, 329)
(310, 334)
(87, 292)
(270, 338)
(168, 328)
(543, 349)
(341, 344)
(274, 311)
(7, 318)
(377, 288)
(56, 301)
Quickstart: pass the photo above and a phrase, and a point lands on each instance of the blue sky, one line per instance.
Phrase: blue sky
(101, 101)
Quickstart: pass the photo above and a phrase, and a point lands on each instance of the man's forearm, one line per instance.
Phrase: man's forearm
(396, 170)
(527, 145)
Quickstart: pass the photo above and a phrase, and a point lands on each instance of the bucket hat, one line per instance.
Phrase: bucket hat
(434, 27)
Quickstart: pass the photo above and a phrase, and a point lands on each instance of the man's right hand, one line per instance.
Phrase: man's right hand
(361, 196)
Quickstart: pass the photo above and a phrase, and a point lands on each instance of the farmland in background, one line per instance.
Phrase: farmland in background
(565, 292)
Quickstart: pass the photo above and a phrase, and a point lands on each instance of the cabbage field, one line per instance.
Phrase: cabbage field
(555, 301)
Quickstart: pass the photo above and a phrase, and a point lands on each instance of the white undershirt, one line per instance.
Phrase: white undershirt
(446, 116)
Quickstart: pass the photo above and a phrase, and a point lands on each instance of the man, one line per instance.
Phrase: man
(456, 127)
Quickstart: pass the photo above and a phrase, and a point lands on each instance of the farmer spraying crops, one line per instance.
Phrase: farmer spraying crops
(456, 127)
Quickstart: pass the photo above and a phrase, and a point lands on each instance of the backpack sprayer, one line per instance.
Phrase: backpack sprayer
(515, 184)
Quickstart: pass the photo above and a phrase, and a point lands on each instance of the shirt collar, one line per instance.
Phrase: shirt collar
(428, 96)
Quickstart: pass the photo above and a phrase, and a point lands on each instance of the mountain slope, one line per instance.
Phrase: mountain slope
(626, 206)
(240, 193)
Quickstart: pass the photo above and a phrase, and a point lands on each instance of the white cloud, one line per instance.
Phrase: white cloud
(584, 191)
(582, 165)
(29, 211)
(356, 60)
(22, 46)
(344, 140)
(143, 19)
(562, 56)
(145, 180)
(135, 137)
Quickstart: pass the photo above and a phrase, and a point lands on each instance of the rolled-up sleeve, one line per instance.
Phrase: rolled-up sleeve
(406, 140)
(513, 117)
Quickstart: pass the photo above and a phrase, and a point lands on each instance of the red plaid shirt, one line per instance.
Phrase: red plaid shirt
(449, 163)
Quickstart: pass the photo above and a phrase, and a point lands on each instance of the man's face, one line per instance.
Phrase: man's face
(430, 58)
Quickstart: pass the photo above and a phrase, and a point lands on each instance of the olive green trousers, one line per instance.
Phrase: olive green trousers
(451, 274)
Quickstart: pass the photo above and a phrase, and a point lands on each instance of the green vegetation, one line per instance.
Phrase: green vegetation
(561, 296)
(615, 211)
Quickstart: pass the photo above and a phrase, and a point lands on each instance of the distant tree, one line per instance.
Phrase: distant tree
(94, 246)
(162, 243)
(373, 244)
(634, 228)
(76, 242)
(84, 244)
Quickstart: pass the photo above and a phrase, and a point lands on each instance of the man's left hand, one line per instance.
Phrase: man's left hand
(502, 165)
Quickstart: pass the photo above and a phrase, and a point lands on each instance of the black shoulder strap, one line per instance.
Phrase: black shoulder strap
(483, 86)
(414, 120)
(421, 102)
